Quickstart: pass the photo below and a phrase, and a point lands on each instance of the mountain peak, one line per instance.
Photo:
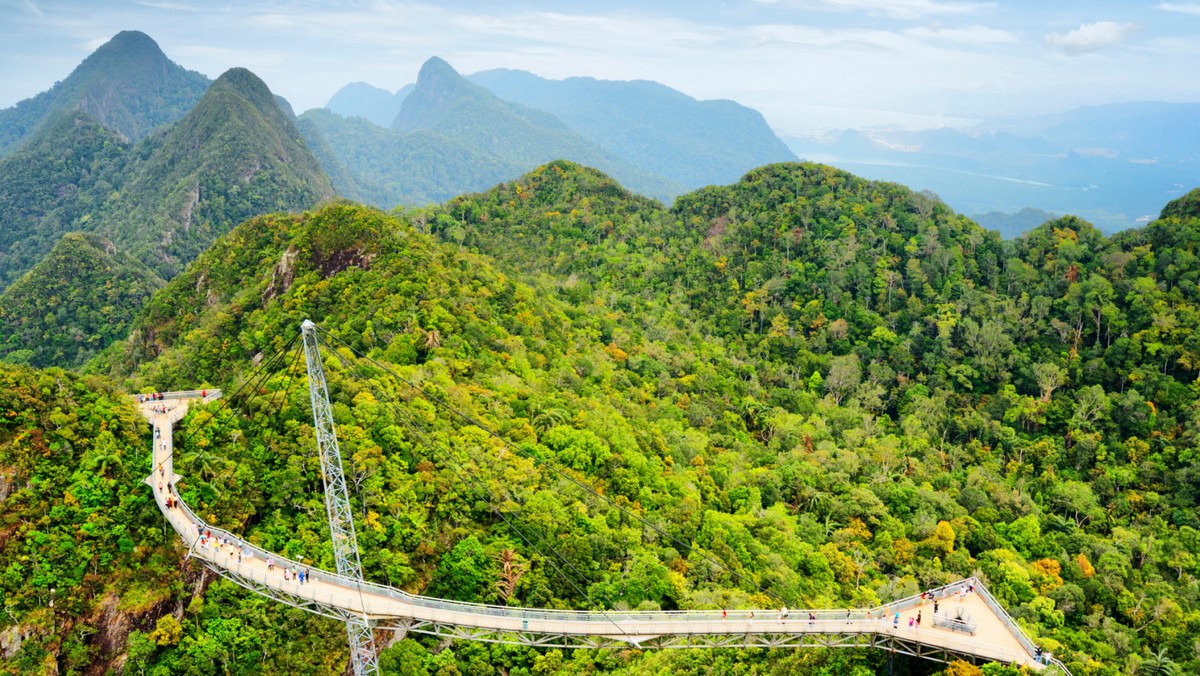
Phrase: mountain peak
(245, 84)
(128, 55)
(1184, 207)
(436, 67)
(131, 41)
(128, 85)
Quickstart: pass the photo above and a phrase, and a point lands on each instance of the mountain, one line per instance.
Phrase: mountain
(445, 103)
(160, 202)
(359, 99)
(128, 85)
(385, 169)
(62, 175)
(1150, 131)
(1015, 224)
(73, 303)
(826, 391)
(235, 155)
(1114, 165)
(659, 129)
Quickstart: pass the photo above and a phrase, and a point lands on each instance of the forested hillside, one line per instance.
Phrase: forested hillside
(160, 202)
(127, 84)
(379, 167)
(47, 188)
(235, 155)
(74, 303)
(913, 379)
(838, 388)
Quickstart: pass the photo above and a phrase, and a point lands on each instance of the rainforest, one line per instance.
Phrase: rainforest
(839, 389)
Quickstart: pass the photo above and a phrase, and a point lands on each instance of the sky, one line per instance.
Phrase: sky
(807, 65)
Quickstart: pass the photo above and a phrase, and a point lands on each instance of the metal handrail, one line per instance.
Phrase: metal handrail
(866, 620)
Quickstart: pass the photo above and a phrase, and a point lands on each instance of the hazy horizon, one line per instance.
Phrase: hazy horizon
(807, 65)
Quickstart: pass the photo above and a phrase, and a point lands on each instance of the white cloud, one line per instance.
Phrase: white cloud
(1181, 7)
(896, 9)
(34, 9)
(970, 35)
(1090, 37)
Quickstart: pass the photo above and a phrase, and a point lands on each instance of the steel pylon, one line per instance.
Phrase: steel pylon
(337, 503)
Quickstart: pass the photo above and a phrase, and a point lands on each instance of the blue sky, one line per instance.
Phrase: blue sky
(807, 65)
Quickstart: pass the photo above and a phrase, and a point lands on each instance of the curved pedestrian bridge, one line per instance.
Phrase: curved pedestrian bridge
(969, 625)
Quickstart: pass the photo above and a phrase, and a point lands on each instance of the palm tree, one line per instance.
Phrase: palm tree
(432, 339)
(105, 454)
(104, 459)
(548, 417)
(205, 464)
(1159, 665)
(512, 572)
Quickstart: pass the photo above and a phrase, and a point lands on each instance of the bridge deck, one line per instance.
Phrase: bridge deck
(994, 639)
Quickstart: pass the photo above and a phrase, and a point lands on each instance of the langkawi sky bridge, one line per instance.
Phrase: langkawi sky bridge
(970, 625)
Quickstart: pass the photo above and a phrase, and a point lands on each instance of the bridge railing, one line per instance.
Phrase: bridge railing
(880, 619)
(867, 619)
(206, 395)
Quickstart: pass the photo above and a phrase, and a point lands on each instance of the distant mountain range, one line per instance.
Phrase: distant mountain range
(359, 99)
(152, 162)
(1113, 165)
(694, 143)
(653, 139)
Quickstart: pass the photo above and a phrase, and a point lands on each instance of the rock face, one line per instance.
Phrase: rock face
(12, 638)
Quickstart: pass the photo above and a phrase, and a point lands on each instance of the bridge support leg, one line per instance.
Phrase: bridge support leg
(337, 502)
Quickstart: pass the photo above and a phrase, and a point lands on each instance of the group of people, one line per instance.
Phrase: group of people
(166, 489)
(238, 549)
(303, 576)
(169, 498)
(1041, 656)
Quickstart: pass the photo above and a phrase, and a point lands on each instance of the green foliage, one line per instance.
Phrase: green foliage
(386, 169)
(161, 202)
(235, 155)
(74, 303)
(53, 184)
(1022, 412)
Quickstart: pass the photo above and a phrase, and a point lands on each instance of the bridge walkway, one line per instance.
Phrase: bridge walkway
(995, 637)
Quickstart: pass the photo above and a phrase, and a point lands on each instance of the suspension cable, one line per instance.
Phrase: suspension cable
(259, 373)
(478, 484)
(467, 418)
